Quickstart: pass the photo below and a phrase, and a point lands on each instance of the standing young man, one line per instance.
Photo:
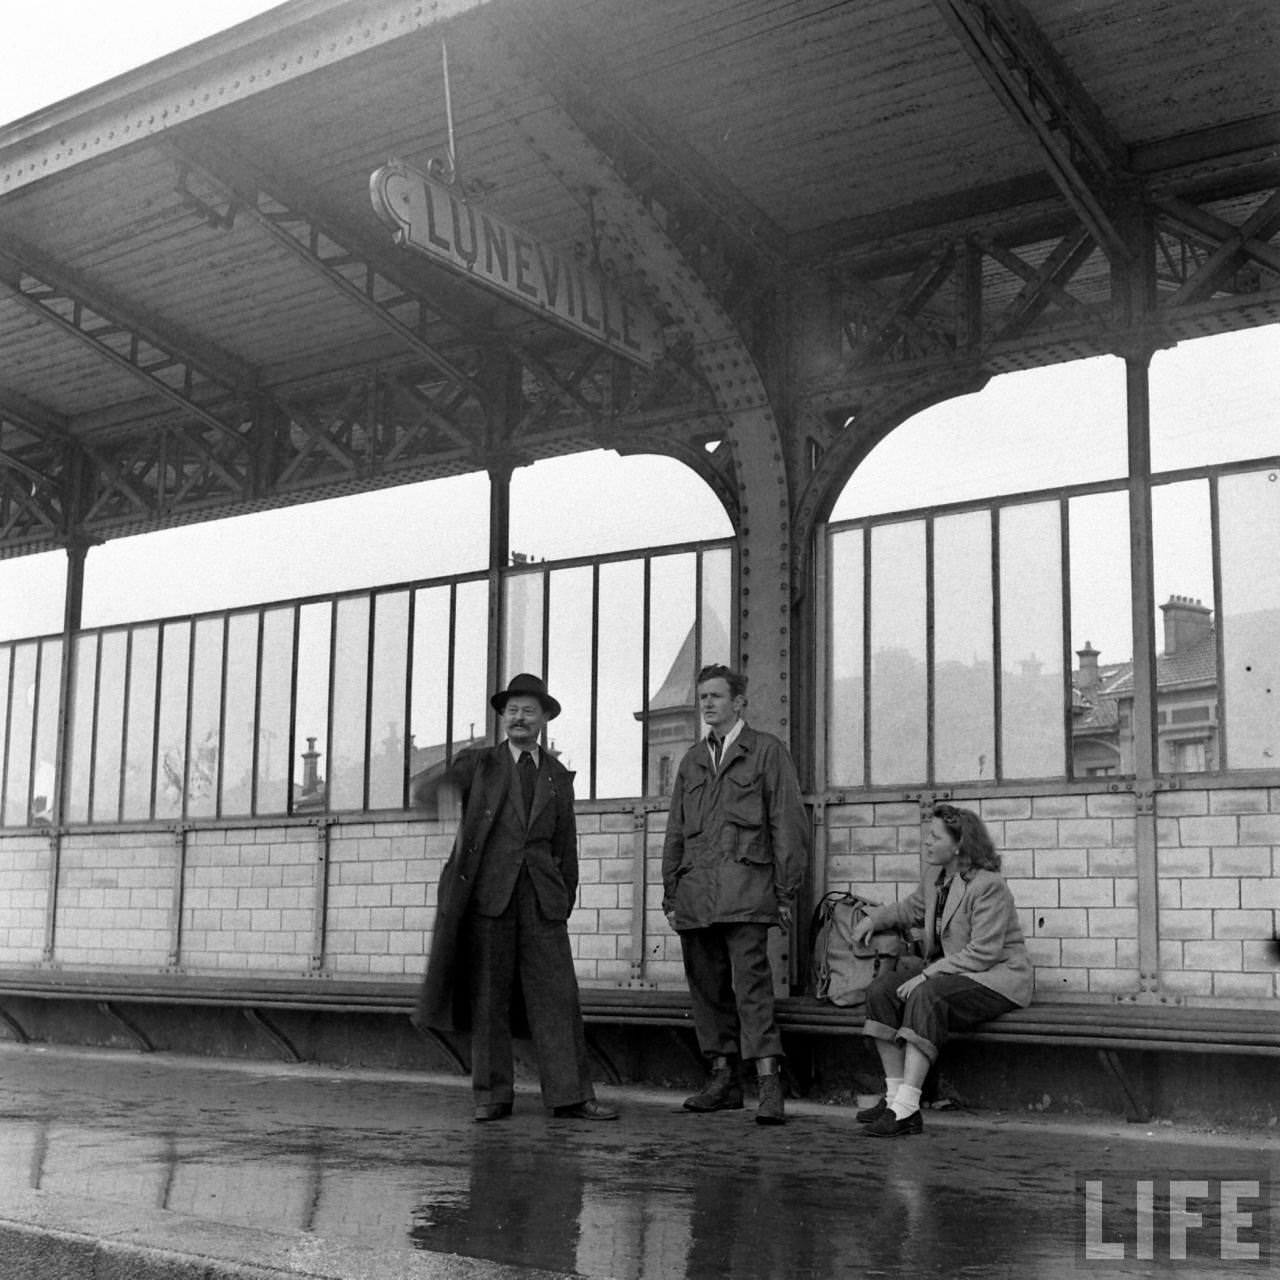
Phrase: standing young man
(737, 841)
(502, 910)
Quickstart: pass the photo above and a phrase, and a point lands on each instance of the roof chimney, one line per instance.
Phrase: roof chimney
(310, 769)
(1186, 623)
(1088, 679)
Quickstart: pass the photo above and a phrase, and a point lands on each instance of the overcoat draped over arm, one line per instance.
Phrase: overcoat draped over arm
(551, 854)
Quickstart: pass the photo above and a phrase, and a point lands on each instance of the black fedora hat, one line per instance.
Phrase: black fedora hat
(526, 686)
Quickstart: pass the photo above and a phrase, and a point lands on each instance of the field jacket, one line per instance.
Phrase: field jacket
(737, 838)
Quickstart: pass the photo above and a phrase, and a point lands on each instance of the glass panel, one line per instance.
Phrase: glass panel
(44, 783)
(1034, 429)
(390, 675)
(347, 733)
(84, 674)
(1215, 399)
(1101, 636)
(845, 706)
(429, 696)
(21, 726)
(619, 736)
(569, 672)
(1249, 511)
(274, 703)
(522, 618)
(898, 690)
(717, 606)
(109, 739)
(964, 677)
(238, 729)
(175, 664)
(32, 594)
(471, 709)
(206, 719)
(311, 723)
(673, 722)
(1187, 661)
(1031, 641)
(139, 758)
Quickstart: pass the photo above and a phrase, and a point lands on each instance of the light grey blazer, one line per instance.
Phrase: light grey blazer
(980, 934)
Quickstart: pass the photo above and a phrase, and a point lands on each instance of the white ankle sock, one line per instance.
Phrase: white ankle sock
(891, 1086)
(905, 1101)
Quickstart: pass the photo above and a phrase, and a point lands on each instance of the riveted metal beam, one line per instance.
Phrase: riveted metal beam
(1081, 152)
(210, 388)
(330, 253)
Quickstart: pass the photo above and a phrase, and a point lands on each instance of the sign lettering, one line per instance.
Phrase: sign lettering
(428, 216)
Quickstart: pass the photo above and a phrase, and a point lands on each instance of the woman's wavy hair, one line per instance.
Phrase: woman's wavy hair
(971, 835)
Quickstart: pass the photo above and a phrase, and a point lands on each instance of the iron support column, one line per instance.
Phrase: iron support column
(1142, 584)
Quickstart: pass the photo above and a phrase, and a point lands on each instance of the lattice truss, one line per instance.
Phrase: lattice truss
(975, 297)
(452, 396)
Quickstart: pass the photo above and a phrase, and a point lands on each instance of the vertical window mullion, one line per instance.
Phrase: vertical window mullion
(594, 721)
(370, 655)
(124, 721)
(1219, 640)
(407, 762)
(449, 686)
(1068, 754)
(644, 678)
(866, 655)
(930, 699)
(997, 650)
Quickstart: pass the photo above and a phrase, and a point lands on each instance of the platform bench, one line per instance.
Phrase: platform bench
(1108, 1028)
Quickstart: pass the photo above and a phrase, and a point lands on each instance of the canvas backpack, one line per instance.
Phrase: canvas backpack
(842, 969)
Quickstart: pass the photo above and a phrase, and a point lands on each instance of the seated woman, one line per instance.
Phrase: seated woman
(976, 964)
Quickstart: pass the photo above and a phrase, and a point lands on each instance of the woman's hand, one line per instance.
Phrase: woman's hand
(863, 930)
(910, 985)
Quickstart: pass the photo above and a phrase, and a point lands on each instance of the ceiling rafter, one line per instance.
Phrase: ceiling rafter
(209, 387)
(1082, 153)
(330, 253)
(1229, 246)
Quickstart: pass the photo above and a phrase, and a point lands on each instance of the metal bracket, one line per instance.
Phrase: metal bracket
(131, 1029)
(1144, 791)
(1138, 1111)
(19, 1033)
(432, 1036)
(259, 1022)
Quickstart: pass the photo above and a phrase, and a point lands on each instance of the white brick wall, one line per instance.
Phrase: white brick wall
(249, 895)
(24, 898)
(115, 895)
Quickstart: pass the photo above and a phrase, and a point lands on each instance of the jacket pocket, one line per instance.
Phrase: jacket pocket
(743, 801)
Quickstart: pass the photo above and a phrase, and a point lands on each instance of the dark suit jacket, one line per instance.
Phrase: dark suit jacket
(481, 872)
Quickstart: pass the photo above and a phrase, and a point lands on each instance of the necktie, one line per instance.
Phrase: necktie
(528, 773)
(715, 744)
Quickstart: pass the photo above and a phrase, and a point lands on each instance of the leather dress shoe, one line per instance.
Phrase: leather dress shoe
(492, 1111)
(589, 1110)
(889, 1126)
(868, 1114)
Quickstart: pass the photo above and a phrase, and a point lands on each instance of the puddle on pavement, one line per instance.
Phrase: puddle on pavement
(658, 1196)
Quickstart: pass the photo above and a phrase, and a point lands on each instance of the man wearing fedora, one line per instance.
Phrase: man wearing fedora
(500, 955)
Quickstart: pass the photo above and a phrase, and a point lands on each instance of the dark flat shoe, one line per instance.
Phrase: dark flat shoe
(868, 1114)
(492, 1111)
(889, 1126)
(590, 1110)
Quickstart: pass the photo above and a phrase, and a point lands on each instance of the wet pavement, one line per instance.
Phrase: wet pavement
(310, 1171)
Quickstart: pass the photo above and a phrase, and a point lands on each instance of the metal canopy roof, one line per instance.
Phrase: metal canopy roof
(823, 203)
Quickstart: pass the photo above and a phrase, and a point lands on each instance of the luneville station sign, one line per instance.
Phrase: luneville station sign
(429, 216)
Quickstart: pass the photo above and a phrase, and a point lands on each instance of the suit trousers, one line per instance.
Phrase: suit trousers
(523, 946)
(731, 985)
